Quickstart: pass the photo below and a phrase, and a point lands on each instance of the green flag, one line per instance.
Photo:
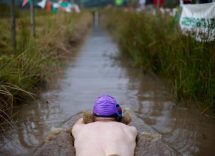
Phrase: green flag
(118, 2)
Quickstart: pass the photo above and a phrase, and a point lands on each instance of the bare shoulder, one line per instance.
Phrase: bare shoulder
(131, 129)
(128, 127)
(77, 126)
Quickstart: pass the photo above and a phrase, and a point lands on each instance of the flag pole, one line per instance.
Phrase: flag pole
(13, 24)
(33, 18)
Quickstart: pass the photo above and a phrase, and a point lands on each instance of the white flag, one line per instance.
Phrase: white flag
(42, 4)
(55, 5)
(77, 9)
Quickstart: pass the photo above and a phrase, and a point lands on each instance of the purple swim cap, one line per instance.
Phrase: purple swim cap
(106, 106)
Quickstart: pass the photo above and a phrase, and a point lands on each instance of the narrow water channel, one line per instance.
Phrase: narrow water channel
(95, 71)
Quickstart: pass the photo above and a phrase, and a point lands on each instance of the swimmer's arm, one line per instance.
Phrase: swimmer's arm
(79, 123)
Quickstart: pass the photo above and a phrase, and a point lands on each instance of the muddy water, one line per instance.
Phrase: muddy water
(95, 71)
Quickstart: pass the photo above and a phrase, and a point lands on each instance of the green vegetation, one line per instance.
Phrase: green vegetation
(36, 60)
(154, 43)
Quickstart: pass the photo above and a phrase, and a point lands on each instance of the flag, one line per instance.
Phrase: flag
(65, 6)
(118, 2)
(48, 6)
(76, 8)
(55, 7)
(24, 2)
(42, 4)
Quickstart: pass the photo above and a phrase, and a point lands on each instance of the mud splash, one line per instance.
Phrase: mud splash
(94, 72)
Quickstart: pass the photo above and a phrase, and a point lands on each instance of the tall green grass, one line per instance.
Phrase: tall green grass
(155, 43)
(36, 60)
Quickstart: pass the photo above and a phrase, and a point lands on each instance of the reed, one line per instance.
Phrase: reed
(155, 43)
(36, 60)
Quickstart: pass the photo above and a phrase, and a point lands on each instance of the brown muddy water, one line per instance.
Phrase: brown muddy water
(95, 71)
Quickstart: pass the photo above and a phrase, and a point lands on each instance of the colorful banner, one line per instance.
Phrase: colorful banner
(55, 6)
(198, 20)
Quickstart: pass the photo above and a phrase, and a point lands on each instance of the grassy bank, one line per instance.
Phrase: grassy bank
(36, 60)
(155, 43)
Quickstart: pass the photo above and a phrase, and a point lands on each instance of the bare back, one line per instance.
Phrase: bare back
(104, 139)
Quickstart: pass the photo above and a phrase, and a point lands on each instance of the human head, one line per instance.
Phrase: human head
(107, 106)
(115, 111)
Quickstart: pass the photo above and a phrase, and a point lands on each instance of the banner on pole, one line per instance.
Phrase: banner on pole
(198, 20)
(54, 7)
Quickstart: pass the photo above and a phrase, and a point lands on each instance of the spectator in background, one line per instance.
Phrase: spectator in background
(187, 1)
(158, 3)
(149, 2)
(200, 1)
(205, 1)
(142, 4)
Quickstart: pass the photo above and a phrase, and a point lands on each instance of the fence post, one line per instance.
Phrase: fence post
(13, 24)
(33, 18)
